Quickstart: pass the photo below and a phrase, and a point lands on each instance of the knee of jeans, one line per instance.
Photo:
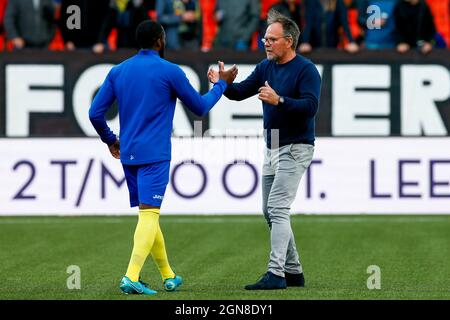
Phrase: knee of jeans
(278, 214)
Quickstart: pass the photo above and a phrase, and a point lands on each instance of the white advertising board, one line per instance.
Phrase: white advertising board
(78, 176)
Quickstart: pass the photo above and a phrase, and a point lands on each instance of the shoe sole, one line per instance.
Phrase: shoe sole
(128, 290)
(266, 289)
(135, 293)
(295, 285)
(171, 286)
(125, 291)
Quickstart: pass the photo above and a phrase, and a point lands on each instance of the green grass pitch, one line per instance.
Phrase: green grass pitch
(218, 255)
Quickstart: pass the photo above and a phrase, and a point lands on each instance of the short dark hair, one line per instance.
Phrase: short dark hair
(147, 33)
(290, 28)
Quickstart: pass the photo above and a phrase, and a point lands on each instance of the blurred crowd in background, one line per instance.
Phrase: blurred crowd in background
(205, 25)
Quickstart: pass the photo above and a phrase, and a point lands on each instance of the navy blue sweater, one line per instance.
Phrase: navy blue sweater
(298, 81)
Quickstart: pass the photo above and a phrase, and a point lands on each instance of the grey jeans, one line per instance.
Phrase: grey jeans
(282, 171)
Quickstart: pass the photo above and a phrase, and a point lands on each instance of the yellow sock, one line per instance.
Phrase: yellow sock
(144, 238)
(159, 256)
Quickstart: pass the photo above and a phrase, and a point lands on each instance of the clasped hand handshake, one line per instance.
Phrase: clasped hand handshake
(266, 93)
(227, 75)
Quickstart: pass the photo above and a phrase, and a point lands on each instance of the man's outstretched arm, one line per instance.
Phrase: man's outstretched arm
(197, 103)
(238, 91)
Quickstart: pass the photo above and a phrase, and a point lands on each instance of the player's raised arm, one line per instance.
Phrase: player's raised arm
(201, 104)
(238, 91)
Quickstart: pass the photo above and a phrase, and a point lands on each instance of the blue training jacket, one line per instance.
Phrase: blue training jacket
(146, 88)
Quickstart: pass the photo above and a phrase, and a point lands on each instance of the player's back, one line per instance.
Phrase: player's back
(146, 87)
(143, 89)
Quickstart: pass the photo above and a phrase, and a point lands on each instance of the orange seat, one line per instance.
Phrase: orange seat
(209, 24)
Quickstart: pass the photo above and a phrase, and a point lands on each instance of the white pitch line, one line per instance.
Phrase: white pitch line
(313, 220)
(48, 221)
(209, 219)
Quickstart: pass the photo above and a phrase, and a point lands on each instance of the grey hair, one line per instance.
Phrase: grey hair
(290, 28)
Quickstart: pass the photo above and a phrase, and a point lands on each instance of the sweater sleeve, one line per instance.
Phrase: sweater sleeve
(10, 20)
(198, 104)
(245, 89)
(167, 18)
(362, 13)
(400, 30)
(305, 36)
(109, 22)
(246, 32)
(102, 101)
(343, 17)
(309, 86)
(428, 29)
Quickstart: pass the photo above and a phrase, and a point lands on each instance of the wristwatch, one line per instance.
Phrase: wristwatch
(281, 100)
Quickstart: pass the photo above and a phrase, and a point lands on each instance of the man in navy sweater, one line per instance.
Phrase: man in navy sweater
(146, 88)
(289, 87)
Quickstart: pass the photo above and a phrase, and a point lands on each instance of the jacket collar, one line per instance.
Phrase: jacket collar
(147, 52)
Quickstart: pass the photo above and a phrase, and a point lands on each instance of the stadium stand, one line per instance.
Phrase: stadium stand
(209, 28)
(2, 16)
(441, 13)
